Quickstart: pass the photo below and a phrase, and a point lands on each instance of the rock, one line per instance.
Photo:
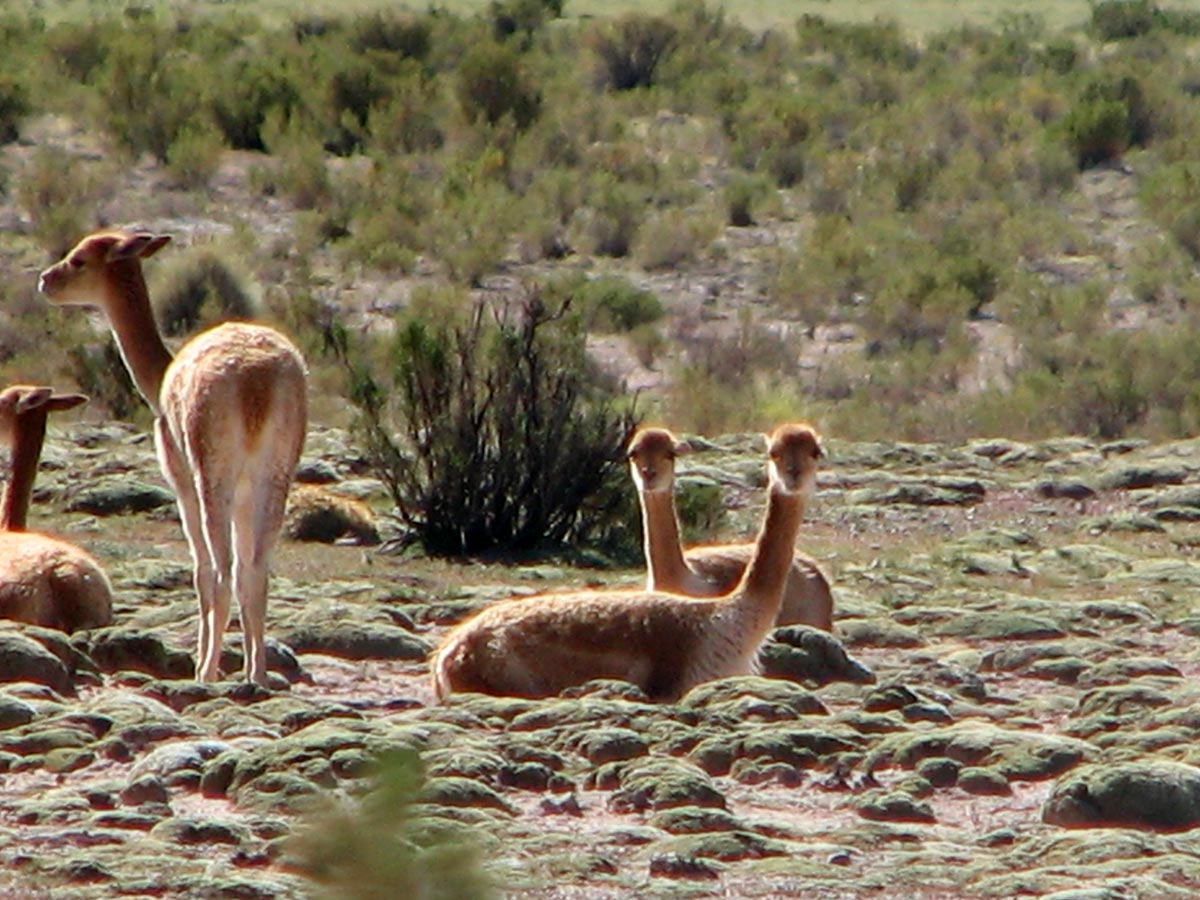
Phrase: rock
(894, 807)
(1158, 795)
(119, 496)
(14, 712)
(178, 763)
(454, 791)
(1141, 475)
(611, 745)
(740, 695)
(809, 654)
(355, 640)
(24, 659)
(118, 648)
(662, 784)
(934, 492)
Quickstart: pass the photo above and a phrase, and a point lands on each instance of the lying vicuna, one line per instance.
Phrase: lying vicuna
(43, 581)
(715, 569)
(664, 643)
(230, 423)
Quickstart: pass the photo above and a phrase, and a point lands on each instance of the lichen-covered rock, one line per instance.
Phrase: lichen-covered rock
(662, 784)
(24, 659)
(118, 496)
(809, 654)
(896, 806)
(1153, 794)
(119, 648)
(744, 694)
(355, 640)
(1018, 755)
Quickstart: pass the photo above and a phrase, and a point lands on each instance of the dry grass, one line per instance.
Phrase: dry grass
(922, 17)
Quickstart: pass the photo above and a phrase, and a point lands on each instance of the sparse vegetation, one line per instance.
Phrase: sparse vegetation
(902, 190)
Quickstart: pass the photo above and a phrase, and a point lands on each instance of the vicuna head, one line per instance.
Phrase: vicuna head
(85, 275)
(793, 452)
(652, 454)
(21, 400)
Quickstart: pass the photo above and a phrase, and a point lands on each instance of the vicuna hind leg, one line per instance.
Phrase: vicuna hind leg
(257, 517)
(204, 573)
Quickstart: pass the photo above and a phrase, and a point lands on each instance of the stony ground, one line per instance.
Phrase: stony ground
(1008, 708)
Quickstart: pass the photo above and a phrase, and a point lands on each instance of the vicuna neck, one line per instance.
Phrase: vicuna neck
(660, 536)
(132, 321)
(761, 589)
(28, 433)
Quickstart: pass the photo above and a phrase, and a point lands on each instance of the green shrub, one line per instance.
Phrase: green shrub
(492, 83)
(607, 223)
(1113, 20)
(506, 434)
(405, 35)
(244, 94)
(672, 237)
(701, 509)
(148, 90)
(769, 132)
(1171, 194)
(743, 194)
(194, 155)
(379, 846)
(610, 303)
(60, 194)
(354, 89)
(1097, 131)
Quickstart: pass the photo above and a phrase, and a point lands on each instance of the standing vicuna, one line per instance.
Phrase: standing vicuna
(714, 569)
(231, 411)
(664, 643)
(43, 581)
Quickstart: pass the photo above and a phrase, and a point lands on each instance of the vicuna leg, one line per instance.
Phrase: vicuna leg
(257, 517)
(171, 460)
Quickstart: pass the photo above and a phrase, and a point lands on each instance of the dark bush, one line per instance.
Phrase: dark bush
(1113, 20)
(492, 84)
(354, 89)
(14, 106)
(631, 49)
(524, 17)
(505, 435)
(101, 374)
(203, 291)
(244, 93)
(404, 35)
(1097, 131)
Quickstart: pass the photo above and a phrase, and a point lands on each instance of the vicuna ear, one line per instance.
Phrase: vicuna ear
(682, 448)
(62, 402)
(33, 399)
(137, 246)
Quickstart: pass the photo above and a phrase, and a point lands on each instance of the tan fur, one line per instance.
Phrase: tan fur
(43, 581)
(664, 643)
(317, 514)
(715, 569)
(231, 410)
